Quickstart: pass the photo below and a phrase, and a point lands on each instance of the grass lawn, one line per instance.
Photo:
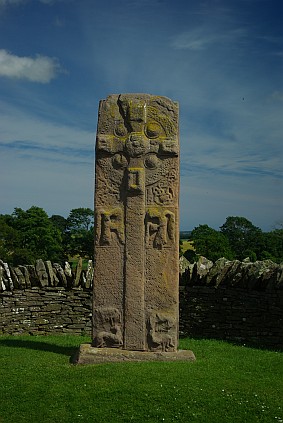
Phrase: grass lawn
(187, 245)
(227, 383)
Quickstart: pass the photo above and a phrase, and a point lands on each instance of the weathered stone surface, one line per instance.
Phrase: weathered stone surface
(41, 272)
(20, 278)
(25, 273)
(69, 274)
(32, 275)
(137, 236)
(260, 275)
(2, 284)
(53, 280)
(78, 272)
(60, 274)
(91, 355)
(183, 264)
(5, 275)
(89, 274)
(15, 279)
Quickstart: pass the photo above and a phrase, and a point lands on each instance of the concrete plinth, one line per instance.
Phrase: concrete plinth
(91, 355)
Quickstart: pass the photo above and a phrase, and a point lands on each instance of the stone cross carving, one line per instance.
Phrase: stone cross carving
(136, 224)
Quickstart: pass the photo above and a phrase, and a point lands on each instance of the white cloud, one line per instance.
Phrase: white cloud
(40, 69)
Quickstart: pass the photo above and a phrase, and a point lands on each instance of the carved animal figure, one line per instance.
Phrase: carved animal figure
(110, 339)
(158, 333)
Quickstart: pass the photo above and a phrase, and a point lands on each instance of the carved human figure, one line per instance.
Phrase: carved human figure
(110, 222)
(160, 225)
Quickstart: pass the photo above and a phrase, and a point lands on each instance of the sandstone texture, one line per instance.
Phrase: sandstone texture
(136, 271)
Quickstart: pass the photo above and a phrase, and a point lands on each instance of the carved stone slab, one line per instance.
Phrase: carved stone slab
(136, 224)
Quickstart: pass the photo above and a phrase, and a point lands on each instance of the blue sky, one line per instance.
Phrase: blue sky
(220, 59)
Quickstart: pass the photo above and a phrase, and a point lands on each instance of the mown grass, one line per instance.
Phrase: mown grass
(73, 261)
(227, 383)
(187, 245)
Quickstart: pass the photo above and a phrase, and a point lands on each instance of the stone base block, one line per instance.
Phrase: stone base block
(91, 355)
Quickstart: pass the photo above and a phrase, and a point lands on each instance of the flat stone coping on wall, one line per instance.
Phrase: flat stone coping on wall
(91, 355)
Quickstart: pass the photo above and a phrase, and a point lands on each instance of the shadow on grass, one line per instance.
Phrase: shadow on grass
(38, 345)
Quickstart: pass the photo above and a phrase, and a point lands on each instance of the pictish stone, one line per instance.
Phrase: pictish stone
(137, 224)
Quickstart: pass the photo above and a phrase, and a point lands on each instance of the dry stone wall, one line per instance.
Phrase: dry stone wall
(42, 311)
(238, 315)
(245, 308)
(45, 298)
(232, 300)
(45, 274)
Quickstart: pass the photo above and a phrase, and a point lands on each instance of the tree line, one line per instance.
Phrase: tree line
(27, 235)
(237, 239)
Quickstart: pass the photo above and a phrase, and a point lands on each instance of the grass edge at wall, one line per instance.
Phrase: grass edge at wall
(227, 383)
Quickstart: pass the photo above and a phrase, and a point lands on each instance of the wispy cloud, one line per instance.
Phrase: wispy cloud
(49, 161)
(36, 151)
(201, 38)
(10, 2)
(47, 1)
(16, 2)
(17, 126)
(39, 69)
(277, 96)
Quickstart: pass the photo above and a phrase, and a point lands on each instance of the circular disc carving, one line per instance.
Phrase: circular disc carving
(153, 130)
(151, 161)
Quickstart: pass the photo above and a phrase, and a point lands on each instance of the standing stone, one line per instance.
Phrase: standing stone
(8, 279)
(25, 272)
(69, 274)
(137, 224)
(20, 278)
(60, 274)
(78, 272)
(2, 284)
(89, 274)
(41, 273)
(51, 274)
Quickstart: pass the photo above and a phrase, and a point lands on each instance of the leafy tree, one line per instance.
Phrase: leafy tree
(245, 239)
(80, 232)
(59, 222)
(81, 218)
(9, 239)
(273, 245)
(33, 236)
(210, 243)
